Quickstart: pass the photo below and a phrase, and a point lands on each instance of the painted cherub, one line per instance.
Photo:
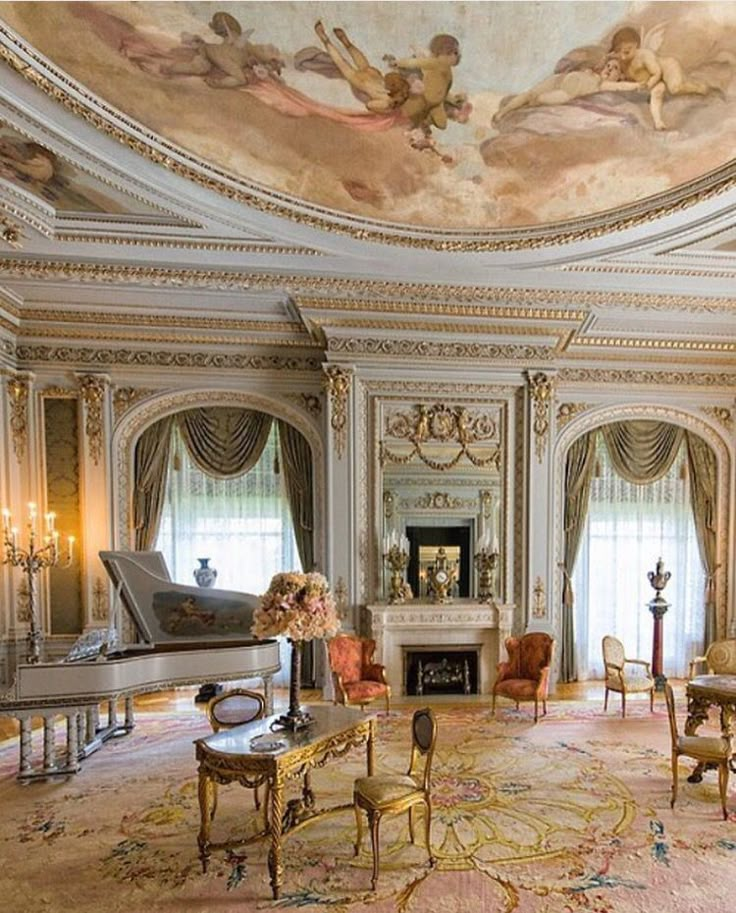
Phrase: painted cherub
(428, 107)
(660, 75)
(561, 88)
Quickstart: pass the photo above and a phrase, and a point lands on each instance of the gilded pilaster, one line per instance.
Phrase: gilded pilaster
(338, 381)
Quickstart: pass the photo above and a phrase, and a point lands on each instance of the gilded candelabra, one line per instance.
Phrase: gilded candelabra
(32, 559)
(396, 556)
(486, 562)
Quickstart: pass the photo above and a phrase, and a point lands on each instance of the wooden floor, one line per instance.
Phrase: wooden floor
(183, 699)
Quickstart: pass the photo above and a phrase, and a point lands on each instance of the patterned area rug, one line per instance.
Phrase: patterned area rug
(571, 814)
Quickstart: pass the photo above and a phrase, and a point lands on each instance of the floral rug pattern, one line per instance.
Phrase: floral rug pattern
(571, 814)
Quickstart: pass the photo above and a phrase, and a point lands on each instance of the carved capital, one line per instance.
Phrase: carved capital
(18, 389)
(541, 393)
(337, 382)
(93, 388)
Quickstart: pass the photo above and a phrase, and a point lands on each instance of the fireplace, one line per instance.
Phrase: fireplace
(441, 670)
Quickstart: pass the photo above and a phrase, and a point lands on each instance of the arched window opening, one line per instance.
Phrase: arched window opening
(628, 527)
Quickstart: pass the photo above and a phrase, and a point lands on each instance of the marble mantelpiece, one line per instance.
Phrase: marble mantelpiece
(419, 623)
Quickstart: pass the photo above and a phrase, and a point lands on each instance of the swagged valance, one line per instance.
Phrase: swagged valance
(642, 451)
(225, 442)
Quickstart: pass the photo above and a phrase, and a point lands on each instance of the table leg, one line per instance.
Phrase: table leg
(371, 748)
(307, 791)
(275, 865)
(205, 792)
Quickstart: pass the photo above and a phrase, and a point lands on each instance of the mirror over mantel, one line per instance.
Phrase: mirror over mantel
(442, 486)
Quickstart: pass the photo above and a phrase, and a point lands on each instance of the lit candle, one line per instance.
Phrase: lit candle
(31, 511)
(50, 518)
(6, 519)
(71, 546)
(14, 536)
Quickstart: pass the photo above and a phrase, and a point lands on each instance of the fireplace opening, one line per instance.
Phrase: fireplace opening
(441, 670)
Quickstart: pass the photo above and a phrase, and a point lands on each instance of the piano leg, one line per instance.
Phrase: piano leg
(112, 713)
(268, 693)
(91, 720)
(81, 728)
(72, 741)
(129, 718)
(25, 768)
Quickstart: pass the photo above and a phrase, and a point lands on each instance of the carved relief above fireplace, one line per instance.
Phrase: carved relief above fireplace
(461, 625)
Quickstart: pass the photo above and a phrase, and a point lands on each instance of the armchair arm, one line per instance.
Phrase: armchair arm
(696, 661)
(375, 673)
(339, 688)
(641, 662)
(543, 683)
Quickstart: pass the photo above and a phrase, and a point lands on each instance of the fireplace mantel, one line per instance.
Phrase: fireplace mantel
(420, 623)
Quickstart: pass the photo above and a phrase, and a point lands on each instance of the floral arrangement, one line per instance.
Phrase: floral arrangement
(299, 606)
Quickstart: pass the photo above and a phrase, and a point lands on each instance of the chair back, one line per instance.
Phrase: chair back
(423, 738)
(613, 651)
(721, 657)
(669, 698)
(350, 656)
(535, 652)
(235, 707)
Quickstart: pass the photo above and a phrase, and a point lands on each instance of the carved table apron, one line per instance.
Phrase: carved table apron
(705, 691)
(229, 756)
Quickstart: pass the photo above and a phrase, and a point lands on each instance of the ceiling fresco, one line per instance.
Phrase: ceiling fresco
(467, 116)
(33, 167)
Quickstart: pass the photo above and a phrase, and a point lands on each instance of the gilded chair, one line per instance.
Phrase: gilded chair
(233, 708)
(358, 680)
(719, 659)
(626, 676)
(715, 749)
(525, 677)
(392, 794)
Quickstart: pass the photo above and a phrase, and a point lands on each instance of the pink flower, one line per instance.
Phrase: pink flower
(298, 606)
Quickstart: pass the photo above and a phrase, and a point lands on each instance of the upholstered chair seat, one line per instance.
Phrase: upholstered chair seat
(384, 794)
(357, 679)
(525, 677)
(624, 675)
(717, 750)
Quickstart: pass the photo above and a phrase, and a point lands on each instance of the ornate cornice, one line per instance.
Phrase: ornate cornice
(627, 342)
(653, 270)
(173, 241)
(149, 337)
(22, 58)
(338, 381)
(445, 307)
(59, 315)
(93, 387)
(18, 389)
(32, 354)
(415, 348)
(541, 393)
(644, 377)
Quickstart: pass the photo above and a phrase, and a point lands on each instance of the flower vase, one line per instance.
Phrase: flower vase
(204, 574)
(297, 717)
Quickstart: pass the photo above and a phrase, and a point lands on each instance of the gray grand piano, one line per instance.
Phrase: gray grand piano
(186, 636)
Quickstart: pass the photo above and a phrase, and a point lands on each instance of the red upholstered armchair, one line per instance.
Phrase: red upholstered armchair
(525, 677)
(358, 680)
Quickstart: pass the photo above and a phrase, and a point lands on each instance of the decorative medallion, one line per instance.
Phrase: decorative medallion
(541, 390)
(567, 412)
(337, 381)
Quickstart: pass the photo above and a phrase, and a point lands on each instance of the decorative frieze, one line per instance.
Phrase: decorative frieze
(338, 381)
(616, 376)
(541, 391)
(425, 348)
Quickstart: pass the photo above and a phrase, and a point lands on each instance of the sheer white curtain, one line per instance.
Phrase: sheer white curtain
(242, 525)
(628, 528)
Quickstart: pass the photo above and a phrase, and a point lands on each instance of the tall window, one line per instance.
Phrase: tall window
(628, 528)
(242, 525)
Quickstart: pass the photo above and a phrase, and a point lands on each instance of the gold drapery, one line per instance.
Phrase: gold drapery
(296, 462)
(151, 466)
(224, 441)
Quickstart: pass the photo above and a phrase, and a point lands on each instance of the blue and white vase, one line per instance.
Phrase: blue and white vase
(204, 574)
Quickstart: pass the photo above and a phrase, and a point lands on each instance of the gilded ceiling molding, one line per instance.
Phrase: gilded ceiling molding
(394, 388)
(171, 338)
(541, 392)
(567, 412)
(32, 354)
(124, 398)
(426, 326)
(624, 342)
(338, 381)
(363, 290)
(22, 58)
(93, 387)
(721, 414)
(654, 270)
(174, 241)
(10, 234)
(414, 348)
(18, 389)
(446, 308)
(60, 315)
(647, 378)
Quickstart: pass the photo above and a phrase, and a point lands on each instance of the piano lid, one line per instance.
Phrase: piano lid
(164, 611)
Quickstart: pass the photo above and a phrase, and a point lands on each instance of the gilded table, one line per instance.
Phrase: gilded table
(705, 691)
(239, 755)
